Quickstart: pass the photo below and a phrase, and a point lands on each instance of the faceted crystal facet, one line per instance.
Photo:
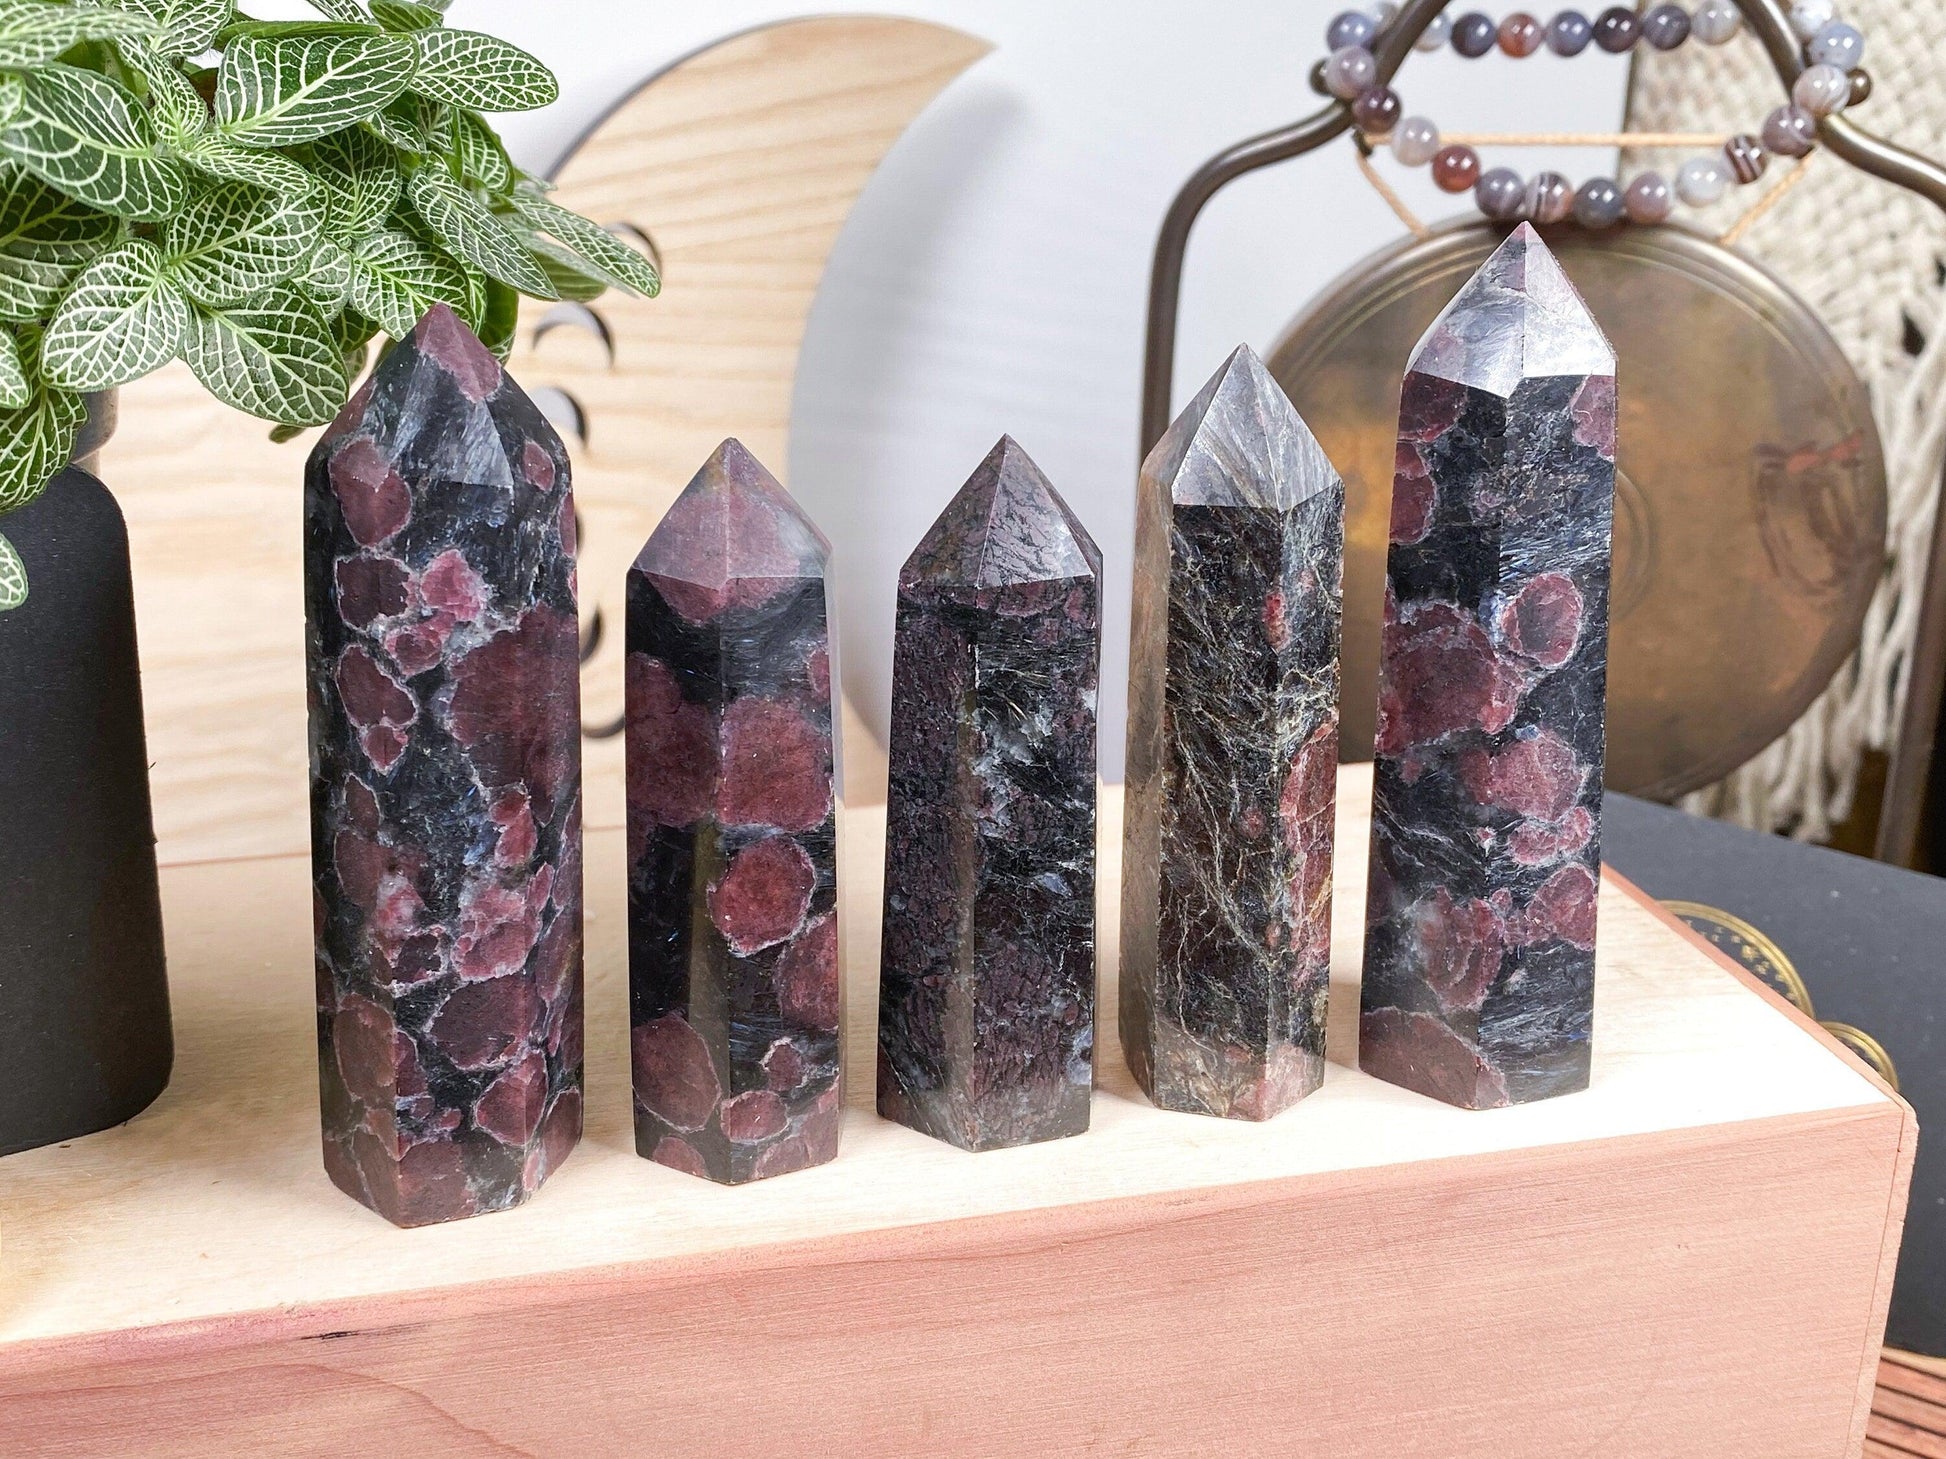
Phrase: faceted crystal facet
(732, 833)
(987, 984)
(1232, 754)
(1486, 817)
(445, 784)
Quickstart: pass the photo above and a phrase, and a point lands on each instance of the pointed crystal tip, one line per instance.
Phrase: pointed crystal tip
(1240, 443)
(1518, 318)
(440, 404)
(734, 521)
(1006, 525)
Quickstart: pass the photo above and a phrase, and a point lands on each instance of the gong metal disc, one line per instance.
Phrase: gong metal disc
(1749, 490)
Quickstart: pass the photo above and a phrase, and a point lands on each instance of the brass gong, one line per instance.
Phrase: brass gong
(1749, 490)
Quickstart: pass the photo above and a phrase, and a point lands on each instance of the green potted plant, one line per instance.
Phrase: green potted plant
(262, 200)
(258, 198)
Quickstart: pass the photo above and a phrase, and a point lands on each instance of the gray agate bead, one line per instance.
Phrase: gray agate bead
(1437, 32)
(1837, 44)
(1598, 204)
(1790, 131)
(1808, 17)
(1500, 194)
(1648, 198)
(1716, 21)
(1569, 32)
(1414, 141)
(1821, 90)
(1701, 180)
(1349, 71)
(1549, 199)
(1474, 35)
(1376, 110)
(1745, 157)
(1616, 29)
(1666, 27)
(1349, 28)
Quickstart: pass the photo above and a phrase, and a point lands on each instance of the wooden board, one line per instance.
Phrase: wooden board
(742, 161)
(1908, 1409)
(1691, 1258)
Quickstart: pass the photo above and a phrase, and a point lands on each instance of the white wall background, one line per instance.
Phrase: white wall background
(994, 275)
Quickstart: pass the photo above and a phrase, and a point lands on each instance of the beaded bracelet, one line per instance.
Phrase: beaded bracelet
(1831, 81)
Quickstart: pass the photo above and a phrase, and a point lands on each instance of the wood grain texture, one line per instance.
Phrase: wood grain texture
(1908, 1419)
(1685, 1260)
(742, 161)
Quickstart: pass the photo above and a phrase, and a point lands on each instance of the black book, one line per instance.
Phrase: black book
(1859, 945)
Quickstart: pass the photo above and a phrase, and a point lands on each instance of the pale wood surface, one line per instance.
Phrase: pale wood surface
(742, 162)
(226, 1166)
(1419, 1279)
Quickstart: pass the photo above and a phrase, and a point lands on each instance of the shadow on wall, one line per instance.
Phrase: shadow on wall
(846, 383)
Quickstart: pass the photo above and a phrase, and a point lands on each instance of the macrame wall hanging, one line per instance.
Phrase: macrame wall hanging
(1752, 508)
(1869, 260)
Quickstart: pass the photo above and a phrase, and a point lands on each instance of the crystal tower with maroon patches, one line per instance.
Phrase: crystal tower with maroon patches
(732, 833)
(1486, 814)
(1232, 754)
(445, 739)
(987, 975)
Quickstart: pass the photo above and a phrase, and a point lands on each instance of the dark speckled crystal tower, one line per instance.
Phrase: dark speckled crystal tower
(1486, 817)
(732, 833)
(1232, 754)
(445, 785)
(987, 981)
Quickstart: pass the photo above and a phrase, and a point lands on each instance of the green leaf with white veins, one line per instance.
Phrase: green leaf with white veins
(346, 10)
(327, 275)
(274, 358)
(361, 178)
(89, 137)
(395, 279)
(480, 72)
(38, 222)
(569, 272)
(276, 92)
(478, 151)
(31, 287)
(13, 578)
(216, 156)
(234, 240)
(175, 105)
(409, 123)
(121, 319)
(462, 223)
(37, 438)
(32, 32)
(610, 258)
(14, 390)
(183, 27)
(405, 15)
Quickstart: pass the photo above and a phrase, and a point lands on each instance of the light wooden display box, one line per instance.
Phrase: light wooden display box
(1691, 1258)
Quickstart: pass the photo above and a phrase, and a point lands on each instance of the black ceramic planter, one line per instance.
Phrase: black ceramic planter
(84, 1003)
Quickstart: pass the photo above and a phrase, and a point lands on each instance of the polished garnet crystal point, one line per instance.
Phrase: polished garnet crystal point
(446, 784)
(732, 833)
(987, 976)
(1232, 754)
(1486, 847)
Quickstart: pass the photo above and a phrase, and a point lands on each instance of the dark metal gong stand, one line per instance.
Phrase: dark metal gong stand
(1912, 754)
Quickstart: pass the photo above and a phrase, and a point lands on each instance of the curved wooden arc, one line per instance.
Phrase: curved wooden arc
(741, 163)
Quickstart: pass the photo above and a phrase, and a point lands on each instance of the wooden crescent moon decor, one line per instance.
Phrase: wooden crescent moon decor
(741, 162)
